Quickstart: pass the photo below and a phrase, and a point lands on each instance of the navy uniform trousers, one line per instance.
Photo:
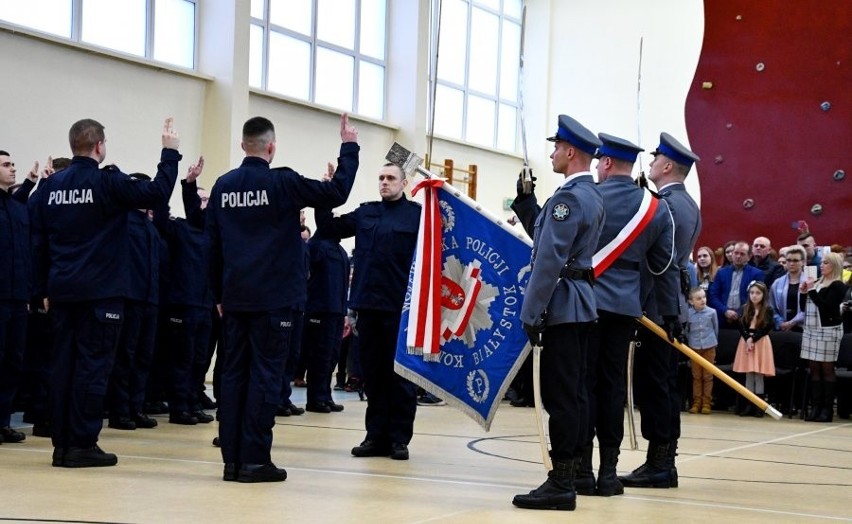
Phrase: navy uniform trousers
(563, 385)
(85, 340)
(133, 359)
(392, 399)
(188, 335)
(323, 334)
(254, 350)
(13, 331)
(609, 341)
(655, 380)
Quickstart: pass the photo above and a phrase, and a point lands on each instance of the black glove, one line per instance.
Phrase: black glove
(534, 332)
(520, 184)
(673, 327)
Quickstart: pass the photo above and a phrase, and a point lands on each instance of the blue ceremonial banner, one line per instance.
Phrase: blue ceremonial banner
(461, 337)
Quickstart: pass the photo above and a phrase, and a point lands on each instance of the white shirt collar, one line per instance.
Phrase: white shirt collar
(569, 178)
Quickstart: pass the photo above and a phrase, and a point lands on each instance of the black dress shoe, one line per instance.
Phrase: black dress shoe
(122, 423)
(58, 457)
(8, 434)
(144, 421)
(261, 473)
(184, 417)
(399, 451)
(295, 410)
(203, 418)
(230, 472)
(370, 448)
(317, 407)
(334, 407)
(522, 403)
(92, 457)
(216, 442)
(282, 411)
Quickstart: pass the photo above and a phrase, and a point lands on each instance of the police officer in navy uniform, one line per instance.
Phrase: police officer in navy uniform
(385, 239)
(258, 277)
(138, 332)
(186, 302)
(15, 288)
(656, 361)
(617, 295)
(79, 232)
(559, 306)
(328, 286)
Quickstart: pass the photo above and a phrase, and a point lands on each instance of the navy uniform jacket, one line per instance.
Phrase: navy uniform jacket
(79, 227)
(144, 258)
(687, 221)
(15, 255)
(385, 239)
(253, 224)
(617, 290)
(189, 253)
(567, 228)
(328, 280)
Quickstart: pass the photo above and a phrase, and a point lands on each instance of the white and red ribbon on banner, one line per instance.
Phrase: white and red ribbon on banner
(424, 320)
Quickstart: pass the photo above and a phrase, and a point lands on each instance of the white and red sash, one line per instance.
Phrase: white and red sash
(634, 227)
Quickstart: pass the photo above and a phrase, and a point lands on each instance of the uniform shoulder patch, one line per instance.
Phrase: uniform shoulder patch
(560, 211)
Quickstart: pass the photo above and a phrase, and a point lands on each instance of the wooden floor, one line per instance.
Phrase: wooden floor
(732, 469)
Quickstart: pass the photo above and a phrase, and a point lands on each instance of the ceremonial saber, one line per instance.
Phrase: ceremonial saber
(526, 180)
(539, 413)
(631, 420)
(709, 367)
(409, 163)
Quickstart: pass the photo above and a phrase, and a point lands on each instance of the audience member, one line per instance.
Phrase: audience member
(705, 266)
(822, 334)
(702, 331)
(729, 291)
(762, 259)
(754, 355)
(784, 298)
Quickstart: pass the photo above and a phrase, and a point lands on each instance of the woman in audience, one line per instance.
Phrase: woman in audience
(705, 266)
(822, 334)
(784, 297)
(729, 250)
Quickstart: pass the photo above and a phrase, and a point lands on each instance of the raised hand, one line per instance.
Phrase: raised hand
(170, 136)
(348, 132)
(194, 170)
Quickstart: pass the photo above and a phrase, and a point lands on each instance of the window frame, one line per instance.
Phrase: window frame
(465, 89)
(76, 33)
(315, 43)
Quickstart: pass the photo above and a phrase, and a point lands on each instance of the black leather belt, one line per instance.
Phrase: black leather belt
(573, 273)
(625, 264)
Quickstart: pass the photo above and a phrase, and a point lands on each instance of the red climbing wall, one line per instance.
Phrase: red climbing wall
(770, 114)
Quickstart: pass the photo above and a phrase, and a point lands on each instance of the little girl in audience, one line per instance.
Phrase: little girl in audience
(754, 351)
(702, 331)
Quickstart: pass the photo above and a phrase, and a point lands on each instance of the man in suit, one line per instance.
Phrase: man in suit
(559, 304)
(728, 292)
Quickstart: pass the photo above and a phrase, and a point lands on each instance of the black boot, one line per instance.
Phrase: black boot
(654, 473)
(670, 461)
(584, 481)
(608, 483)
(816, 400)
(557, 492)
(826, 411)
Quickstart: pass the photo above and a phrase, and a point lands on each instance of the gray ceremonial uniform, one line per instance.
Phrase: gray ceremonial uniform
(656, 380)
(566, 231)
(617, 293)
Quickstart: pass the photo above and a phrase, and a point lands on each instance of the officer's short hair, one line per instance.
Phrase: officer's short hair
(401, 172)
(84, 135)
(255, 129)
(4, 153)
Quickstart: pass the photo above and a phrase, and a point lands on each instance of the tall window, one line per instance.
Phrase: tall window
(162, 30)
(331, 52)
(476, 96)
